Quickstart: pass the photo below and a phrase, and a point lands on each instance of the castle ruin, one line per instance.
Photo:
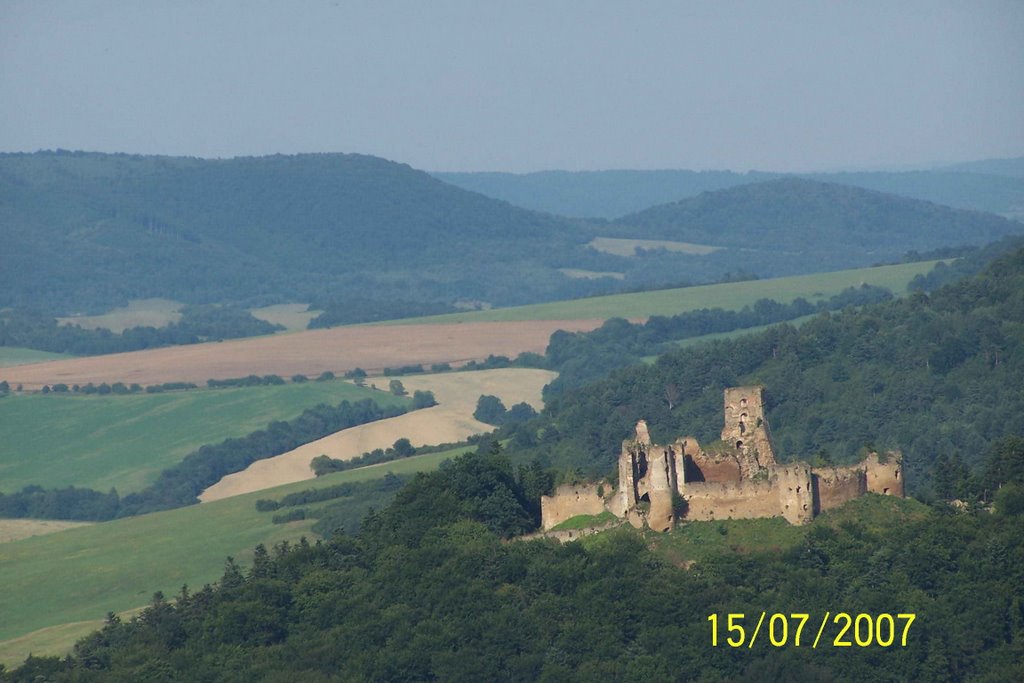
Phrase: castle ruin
(735, 478)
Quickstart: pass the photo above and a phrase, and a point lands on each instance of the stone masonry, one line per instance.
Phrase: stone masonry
(737, 477)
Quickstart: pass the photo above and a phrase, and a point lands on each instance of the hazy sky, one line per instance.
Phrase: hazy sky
(479, 85)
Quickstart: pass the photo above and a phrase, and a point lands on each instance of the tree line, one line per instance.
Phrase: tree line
(199, 323)
(427, 590)
(930, 374)
(180, 485)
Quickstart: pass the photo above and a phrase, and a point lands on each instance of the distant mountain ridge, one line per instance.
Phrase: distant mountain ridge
(1012, 167)
(996, 186)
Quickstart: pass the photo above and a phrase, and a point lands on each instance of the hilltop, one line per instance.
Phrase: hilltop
(90, 231)
(814, 219)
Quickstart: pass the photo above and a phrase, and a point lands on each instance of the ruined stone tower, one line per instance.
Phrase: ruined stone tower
(746, 429)
(735, 478)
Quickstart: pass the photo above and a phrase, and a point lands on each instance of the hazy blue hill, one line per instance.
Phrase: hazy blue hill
(88, 230)
(995, 193)
(997, 187)
(1013, 167)
(810, 217)
(602, 194)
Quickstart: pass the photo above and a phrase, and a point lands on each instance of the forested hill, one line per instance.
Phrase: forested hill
(797, 215)
(934, 375)
(91, 230)
(996, 186)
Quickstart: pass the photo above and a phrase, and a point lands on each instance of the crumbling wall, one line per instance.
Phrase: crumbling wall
(713, 467)
(795, 493)
(647, 477)
(739, 478)
(660, 483)
(568, 501)
(734, 500)
(834, 486)
(885, 478)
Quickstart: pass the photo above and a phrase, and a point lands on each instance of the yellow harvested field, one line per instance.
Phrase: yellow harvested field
(578, 274)
(311, 352)
(17, 529)
(450, 421)
(628, 247)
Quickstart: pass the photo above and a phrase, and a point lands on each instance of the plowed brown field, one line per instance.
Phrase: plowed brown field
(310, 353)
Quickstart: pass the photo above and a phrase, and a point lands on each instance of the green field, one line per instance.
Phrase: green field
(124, 442)
(15, 355)
(81, 574)
(729, 295)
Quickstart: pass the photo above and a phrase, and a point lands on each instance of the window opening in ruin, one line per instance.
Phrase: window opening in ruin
(739, 444)
(897, 474)
(885, 491)
(798, 489)
(743, 403)
(743, 427)
(641, 466)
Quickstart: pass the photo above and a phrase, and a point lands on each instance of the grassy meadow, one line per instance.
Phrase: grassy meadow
(728, 295)
(699, 541)
(15, 355)
(138, 313)
(53, 582)
(124, 441)
(294, 317)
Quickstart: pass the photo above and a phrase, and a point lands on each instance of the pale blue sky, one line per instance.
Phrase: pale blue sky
(519, 86)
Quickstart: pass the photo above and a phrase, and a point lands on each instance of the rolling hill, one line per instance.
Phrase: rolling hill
(814, 220)
(89, 231)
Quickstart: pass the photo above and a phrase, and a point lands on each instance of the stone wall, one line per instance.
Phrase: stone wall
(738, 478)
(736, 500)
(836, 485)
(568, 501)
(717, 467)
(795, 492)
(885, 478)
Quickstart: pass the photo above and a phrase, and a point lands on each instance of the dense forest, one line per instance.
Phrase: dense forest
(85, 231)
(778, 219)
(428, 591)
(930, 374)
